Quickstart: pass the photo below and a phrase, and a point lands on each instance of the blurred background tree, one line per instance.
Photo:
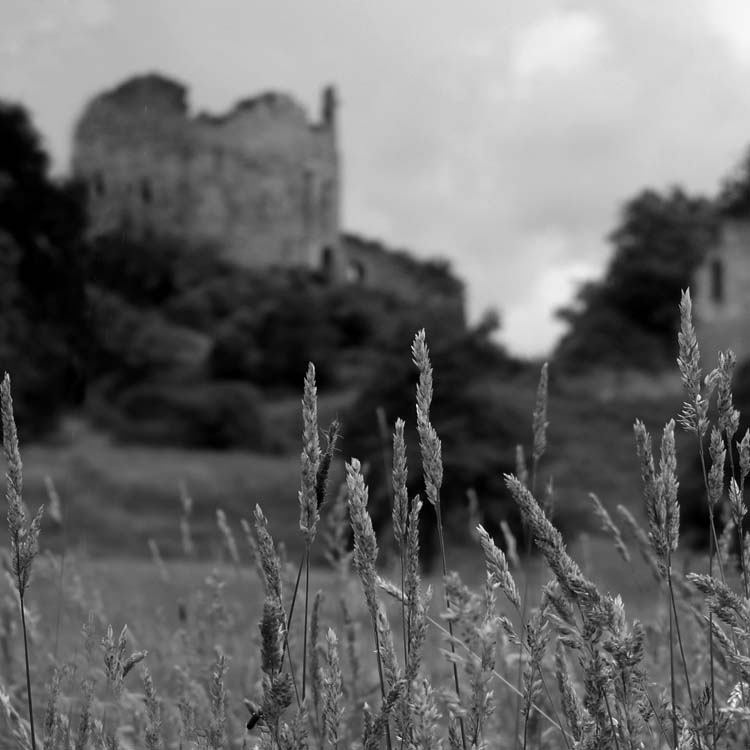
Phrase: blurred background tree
(478, 431)
(629, 318)
(42, 258)
(734, 196)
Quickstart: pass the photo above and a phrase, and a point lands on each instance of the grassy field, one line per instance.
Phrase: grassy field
(608, 642)
(108, 488)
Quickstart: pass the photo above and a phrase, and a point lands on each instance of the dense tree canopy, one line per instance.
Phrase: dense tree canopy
(629, 317)
(42, 307)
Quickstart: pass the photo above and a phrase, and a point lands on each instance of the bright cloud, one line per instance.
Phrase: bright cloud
(502, 135)
(731, 19)
(560, 43)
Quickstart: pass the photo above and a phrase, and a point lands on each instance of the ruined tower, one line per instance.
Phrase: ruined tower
(721, 292)
(260, 183)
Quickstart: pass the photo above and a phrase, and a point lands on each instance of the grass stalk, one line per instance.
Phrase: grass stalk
(611, 720)
(712, 551)
(681, 647)
(60, 603)
(443, 557)
(28, 673)
(285, 648)
(672, 685)
(304, 637)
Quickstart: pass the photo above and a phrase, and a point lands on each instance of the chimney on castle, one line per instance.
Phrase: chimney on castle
(329, 103)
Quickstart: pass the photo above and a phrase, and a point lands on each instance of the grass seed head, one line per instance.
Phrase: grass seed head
(718, 454)
(729, 417)
(227, 535)
(610, 527)
(539, 419)
(522, 471)
(269, 559)
(332, 435)
(400, 493)
(332, 684)
(497, 567)
(365, 542)
(743, 448)
(308, 494)
(737, 507)
(24, 537)
(429, 442)
(694, 414)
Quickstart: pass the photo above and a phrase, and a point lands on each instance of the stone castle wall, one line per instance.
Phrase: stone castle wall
(430, 283)
(260, 182)
(721, 294)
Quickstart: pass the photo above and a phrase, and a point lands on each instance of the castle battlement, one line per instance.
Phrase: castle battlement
(260, 182)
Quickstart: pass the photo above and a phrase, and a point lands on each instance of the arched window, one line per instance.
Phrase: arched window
(717, 281)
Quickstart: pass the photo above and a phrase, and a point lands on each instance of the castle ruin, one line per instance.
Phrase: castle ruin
(261, 182)
(261, 185)
(721, 292)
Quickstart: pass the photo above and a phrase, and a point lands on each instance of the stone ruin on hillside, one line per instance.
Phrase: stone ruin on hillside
(721, 292)
(261, 184)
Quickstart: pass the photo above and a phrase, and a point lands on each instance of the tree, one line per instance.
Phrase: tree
(734, 195)
(478, 432)
(42, 301)
(630, 316)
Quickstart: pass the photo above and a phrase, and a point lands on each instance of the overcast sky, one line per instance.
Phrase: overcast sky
(503, 135)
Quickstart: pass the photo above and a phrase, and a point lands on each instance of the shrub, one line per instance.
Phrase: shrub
(272, 345)
(479, 435)
(569, 669)
(133, 344)
(203, 415)
(43, 330)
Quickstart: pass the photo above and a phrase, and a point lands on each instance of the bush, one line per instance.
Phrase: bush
(478, 434)
(152, 271)
(134, 344)
(205, 415)
(273, 345)
(42, 317)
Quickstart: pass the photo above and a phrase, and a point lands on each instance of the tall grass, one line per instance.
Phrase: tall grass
(373, 662)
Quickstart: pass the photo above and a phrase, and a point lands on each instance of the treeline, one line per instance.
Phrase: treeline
(629, 317)
(165, 344)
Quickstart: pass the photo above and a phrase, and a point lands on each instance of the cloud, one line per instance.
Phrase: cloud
(530, 328)
(502, 135)
(731, 20)
(561, 43)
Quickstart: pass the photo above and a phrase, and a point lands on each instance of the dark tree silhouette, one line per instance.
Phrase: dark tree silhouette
(734, 196)
(42, 300)
(630, 316)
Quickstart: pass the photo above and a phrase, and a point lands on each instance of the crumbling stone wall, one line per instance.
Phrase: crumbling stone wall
(430, 283)
(721, 294)
(261, 182)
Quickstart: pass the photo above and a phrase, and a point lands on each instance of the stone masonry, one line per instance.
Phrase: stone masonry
(260, 183)
(721, 294)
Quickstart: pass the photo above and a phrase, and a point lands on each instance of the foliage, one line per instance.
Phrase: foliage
(215, 415)
(272, 344)
(132, 344)
(734, 196)
(569, 668)
(478, 434)
(41, 277)
(151, 271)
(627, 318)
